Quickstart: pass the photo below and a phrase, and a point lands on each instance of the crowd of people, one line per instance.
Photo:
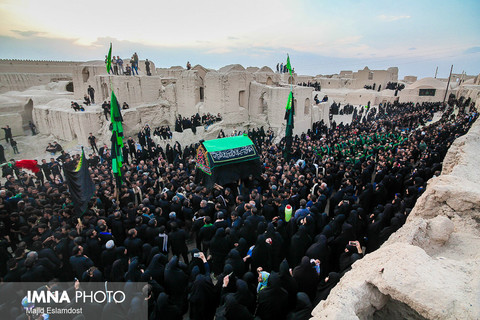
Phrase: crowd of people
(316, 85)
(282, 68)
(182, 123)
(347, 187)
(130, 69)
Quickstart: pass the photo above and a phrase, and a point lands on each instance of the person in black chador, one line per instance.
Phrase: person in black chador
(8, 133)
(2, 155)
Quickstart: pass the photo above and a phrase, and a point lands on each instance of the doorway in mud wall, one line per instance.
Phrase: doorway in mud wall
(27, 114)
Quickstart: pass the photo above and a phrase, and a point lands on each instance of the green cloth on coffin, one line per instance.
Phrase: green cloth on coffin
(226, 160)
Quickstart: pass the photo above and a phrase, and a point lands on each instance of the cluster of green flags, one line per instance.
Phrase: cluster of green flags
(79, 182)
(289, 117)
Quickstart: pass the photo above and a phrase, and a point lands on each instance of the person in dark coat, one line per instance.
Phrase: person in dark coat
(133, 244)
(80, 262)
(2, 155)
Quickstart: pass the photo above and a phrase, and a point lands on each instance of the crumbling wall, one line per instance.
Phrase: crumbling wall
(23, 81)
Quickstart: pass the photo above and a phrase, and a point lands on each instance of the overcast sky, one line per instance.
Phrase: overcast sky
(321, 36)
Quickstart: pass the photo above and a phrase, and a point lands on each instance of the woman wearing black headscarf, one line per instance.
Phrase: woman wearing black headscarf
(328, 284)
(242, 247)
(146, 250)
(219, 249)
(386, 232)
(272, 301)
(133, 274)
(277, 245)
(338, 245)
(176, 282)
(236, 261)
(303, 308)
(203, 298)
(244, 296)
(307, 277)
(251, 281)
(117, 273)
(165, 309)
(298, 245)
(349, 256)
(288, 283)
(196, 261)
(156, 268)
(319, 250)
(262, 254)
(233, 310)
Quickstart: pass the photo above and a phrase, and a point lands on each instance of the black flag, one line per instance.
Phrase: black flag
(80, 185)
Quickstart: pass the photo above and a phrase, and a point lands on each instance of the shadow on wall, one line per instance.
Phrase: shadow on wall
(27, 114)
(394, 310)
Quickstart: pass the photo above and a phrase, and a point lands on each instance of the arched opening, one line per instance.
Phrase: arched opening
(27, 113)
(202, 94)
(69, 87)
(306, 110)
(85, 74)
(269, 81)
(291, 80)
(241, 98)
(105, 94)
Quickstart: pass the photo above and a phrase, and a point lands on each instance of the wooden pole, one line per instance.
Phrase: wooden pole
(448, 84)
(436, 72)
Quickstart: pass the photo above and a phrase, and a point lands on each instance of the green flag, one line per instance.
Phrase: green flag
(289, 116)
(109, 59)
(289, 101)
(117, 139)
(288, 65)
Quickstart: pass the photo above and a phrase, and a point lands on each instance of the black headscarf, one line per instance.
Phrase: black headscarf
(219, 249)
(244, 296)
(203, 298)
(288, 283)
(303, 308)
(164, 309)
(272, 302)
(306, 277)
(236, 261)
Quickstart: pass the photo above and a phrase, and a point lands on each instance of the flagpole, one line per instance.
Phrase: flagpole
(111, 90)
